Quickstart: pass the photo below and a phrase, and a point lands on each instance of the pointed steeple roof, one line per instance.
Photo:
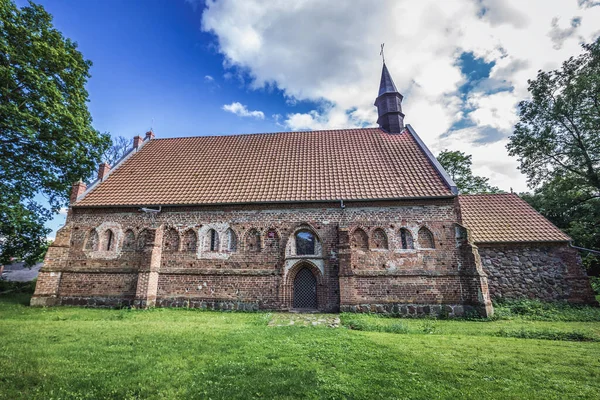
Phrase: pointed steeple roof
(387, 84)
(389, 104)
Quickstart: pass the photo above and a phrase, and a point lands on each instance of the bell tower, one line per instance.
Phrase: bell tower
(389, 104)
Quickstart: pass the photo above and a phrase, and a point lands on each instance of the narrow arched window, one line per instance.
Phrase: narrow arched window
(190, 240)
(171, 240)
(253, 240)
(406, 239)
(129, 240)
(379, 239)
(360, 240)
(426, 239)
(272, 240)
(143, 239)
(92, 240)
(305, 243)
(213, 236)
(107, 240)
(231, 241)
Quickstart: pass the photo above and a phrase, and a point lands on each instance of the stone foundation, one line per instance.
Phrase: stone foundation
(416, 310)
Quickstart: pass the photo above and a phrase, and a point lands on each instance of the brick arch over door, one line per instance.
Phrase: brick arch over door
(290, 277)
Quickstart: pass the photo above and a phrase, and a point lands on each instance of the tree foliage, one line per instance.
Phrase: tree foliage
(558, 132)
(557, 141)
(458, 166)
(46, 137)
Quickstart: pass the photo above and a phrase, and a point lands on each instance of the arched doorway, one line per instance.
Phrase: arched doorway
(305, 289)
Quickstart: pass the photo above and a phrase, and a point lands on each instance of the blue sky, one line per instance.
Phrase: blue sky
(150, 62)
(153, 66)
(189, 67)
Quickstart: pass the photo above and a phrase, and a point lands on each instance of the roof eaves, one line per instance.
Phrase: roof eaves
(436, 164)
(503, 242)
(266, 202)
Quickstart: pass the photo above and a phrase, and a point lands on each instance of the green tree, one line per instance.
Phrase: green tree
(46, 135)
(558, 133)
(458, 166)
(557, 142)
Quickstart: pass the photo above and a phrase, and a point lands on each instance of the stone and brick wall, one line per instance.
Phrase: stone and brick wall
(249, 262)
(545, 271)
(405, 257)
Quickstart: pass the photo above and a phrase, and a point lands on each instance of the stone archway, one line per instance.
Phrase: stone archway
(303, 287)
(305, 290)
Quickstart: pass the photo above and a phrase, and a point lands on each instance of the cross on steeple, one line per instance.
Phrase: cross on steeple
(381, 53)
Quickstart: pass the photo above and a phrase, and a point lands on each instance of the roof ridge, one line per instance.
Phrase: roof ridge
(488, 194)
(374, 128)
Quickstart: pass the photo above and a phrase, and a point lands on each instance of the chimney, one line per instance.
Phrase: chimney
(150, 134)
(103, 171)
(77, 190)
(137, 141)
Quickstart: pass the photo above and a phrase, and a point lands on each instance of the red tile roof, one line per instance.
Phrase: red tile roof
(497, 218)
(349, 164)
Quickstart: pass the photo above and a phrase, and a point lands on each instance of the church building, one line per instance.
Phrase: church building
(359, 220)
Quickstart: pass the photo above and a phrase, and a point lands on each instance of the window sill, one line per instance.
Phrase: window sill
(313, 256)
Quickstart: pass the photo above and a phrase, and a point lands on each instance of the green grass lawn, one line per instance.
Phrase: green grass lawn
(76, 353)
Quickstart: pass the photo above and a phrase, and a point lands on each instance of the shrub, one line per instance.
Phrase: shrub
(545, 311)
(7, 287)
(547, 334)
(595, 281)
(359, 324)
(429, 326)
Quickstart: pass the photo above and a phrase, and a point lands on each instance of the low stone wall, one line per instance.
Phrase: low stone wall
(96, 301)
(543, 271)
(184, 302)
(415, 310)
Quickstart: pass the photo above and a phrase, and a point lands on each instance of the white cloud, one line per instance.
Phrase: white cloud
(241, 110)
(208, 78)
(63, 211)
(495, 110)
(328, 52)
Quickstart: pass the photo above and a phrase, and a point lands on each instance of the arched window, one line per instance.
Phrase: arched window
(305, 243)
(379, 239)
(213, 238)
(426, 239)
(171, 240)
(92, 240)
(190, 240)
(231, 241)
(406, 239)
(108, 240)
(253, 240)
(143, 238)
(272, 239)
(129, 240)
(360, 240)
